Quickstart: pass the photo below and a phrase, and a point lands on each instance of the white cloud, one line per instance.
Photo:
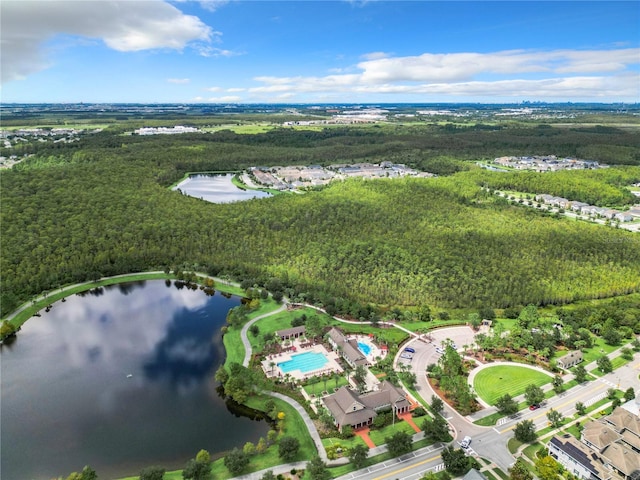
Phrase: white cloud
(225, 99)
(209, 51)
(213, 5)
(213, 89)
(178, 81)
(559, 74)
(465, 66)
(374, 56)
(122, 25)
(235, 90)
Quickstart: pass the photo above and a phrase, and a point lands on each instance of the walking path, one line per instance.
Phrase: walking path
(363, 433)
(407, 417)
(245, 329)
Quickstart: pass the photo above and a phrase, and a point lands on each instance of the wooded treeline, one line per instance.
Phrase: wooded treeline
(101, 207)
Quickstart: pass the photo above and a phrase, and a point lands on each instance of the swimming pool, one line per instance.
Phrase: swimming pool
(364, 348)
(305, 362)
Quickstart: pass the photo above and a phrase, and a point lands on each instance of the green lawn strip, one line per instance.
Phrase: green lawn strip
(345, 444)
(316, 388)
(530, 451)
(280, 321)
(489, 420)
(233, 347)
(392, 336)
(513, 445)
(501, 474)
(57, 294)
(432, 324)
(378, 436)
(233, 343)
(573, 430)
(600, 348)
(619, 361)
(492, 383)
(507, 323)
(414, 393)
(489, 475)
(344, 469)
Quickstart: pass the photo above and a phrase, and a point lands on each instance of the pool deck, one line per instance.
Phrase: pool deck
(376, 354)
(274, 371)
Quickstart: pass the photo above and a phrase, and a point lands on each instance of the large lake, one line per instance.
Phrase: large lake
(217, 189)
(118, 379)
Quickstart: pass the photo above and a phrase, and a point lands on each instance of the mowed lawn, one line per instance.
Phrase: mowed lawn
(492, 383)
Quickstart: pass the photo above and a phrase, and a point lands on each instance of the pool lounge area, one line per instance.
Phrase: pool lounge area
(302, 363)
(369, 349)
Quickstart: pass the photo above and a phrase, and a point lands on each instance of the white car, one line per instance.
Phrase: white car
(439, 350)
(466, 441)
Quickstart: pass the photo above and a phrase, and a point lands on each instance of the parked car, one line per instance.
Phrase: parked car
(534, 407)
(439, 350)
(410, 350)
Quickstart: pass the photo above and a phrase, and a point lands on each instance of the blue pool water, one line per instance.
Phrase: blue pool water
(364, 348)
(305, 362)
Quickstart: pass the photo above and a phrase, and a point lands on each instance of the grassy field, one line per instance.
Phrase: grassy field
(392, 336)
(232, 342)
(317, 387)
(378, 436)
(281, 321)
(492, 383)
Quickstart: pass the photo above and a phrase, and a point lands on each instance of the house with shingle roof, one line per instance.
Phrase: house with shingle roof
(614, 442)
(348, 349)
(347, 407)
(570, 359)
(291, 333)
(576, 458)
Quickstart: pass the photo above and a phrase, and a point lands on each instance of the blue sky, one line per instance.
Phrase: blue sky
(235, 51)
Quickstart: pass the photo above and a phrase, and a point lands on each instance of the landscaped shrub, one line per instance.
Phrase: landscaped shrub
(347, 432)
(419, 412)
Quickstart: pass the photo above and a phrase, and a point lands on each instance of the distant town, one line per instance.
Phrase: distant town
(296, 177)
(547, 163)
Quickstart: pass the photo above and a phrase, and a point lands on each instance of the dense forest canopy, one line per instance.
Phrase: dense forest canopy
(101, 206)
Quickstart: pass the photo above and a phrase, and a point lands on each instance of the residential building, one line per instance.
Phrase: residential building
(577, 459)
(571, 359)
(613, 444)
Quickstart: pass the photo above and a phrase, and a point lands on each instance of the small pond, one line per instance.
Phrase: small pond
(120, 378)
(217, 189)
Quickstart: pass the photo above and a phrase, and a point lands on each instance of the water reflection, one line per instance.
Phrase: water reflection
(216, 189)
(120, 380)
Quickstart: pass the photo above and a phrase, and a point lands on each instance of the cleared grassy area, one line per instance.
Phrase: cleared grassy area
(392, 336)
(599, 348)
(233, 343)
(513, 445)
(332, 383)
(378, 436)
(492, 383)
(280, 321)
(530, 451)
(344, 443)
